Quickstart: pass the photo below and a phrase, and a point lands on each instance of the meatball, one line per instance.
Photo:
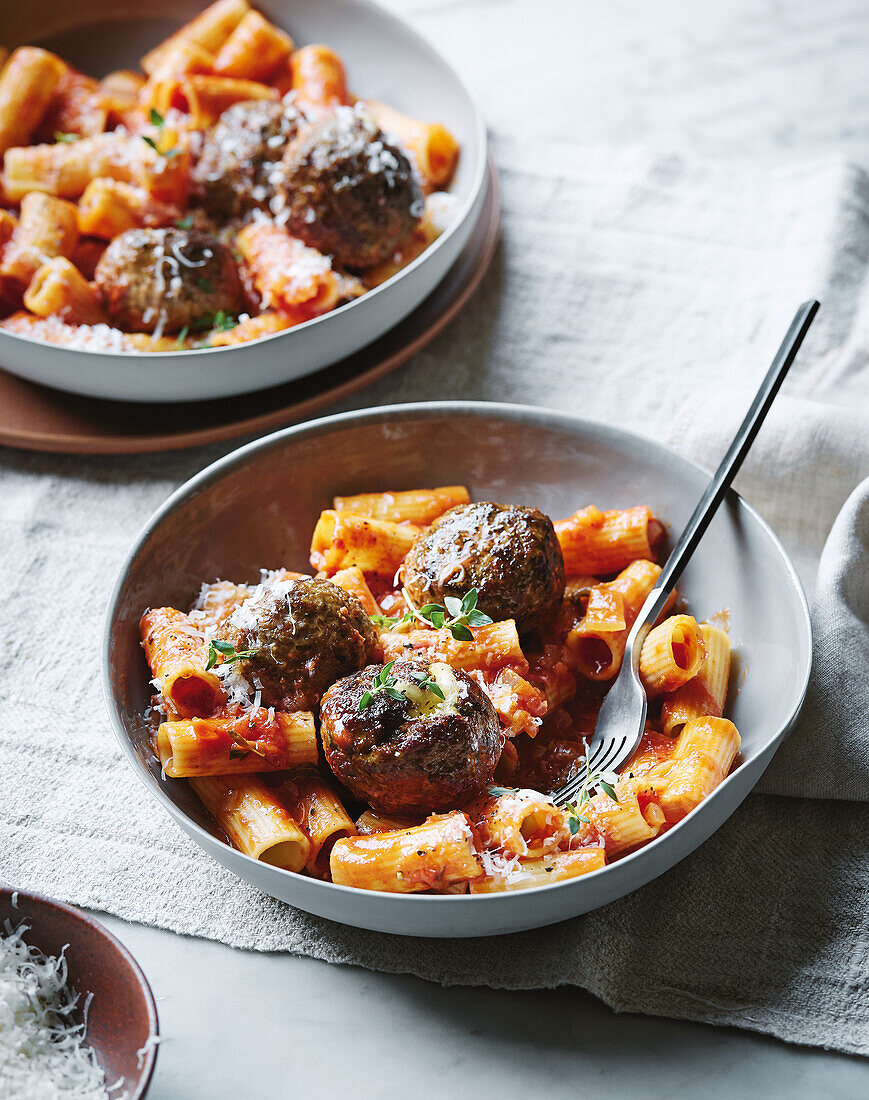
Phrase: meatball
(240, 164)
(415, 753)
(303, 635)
(351, 191)
(509, 554)
(164, 279)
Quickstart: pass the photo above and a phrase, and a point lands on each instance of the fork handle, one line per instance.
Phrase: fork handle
(720, 482)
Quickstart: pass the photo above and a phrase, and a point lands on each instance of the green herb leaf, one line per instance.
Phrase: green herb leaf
(185, 223)
(426, 683)
(205, 284)
(385, 682)
(243, 748)
(383, 621)
(461, 633)
(454, 605)
(221, 321)
(497, 792)
(224, 321)
(166, 154)
(182, 336)
(609, 790)
(217, 647)
(156, 118)
(469, 602)
(66, 139)
(605, 780)
(456, 615)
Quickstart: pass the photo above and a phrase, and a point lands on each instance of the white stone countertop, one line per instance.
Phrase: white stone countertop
(764, 79)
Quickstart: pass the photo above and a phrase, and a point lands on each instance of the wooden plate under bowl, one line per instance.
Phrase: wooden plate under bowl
(122, 1017)
(36, 418)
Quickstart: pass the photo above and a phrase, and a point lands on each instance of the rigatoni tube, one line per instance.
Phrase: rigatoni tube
(255, 820)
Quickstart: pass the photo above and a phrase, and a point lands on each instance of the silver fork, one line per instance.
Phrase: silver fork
(622, 717)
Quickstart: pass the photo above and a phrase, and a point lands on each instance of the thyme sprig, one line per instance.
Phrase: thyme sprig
(455, 615)
(219, 648)
(386, 682)
(603, 779)
(383, 682)
(243, 748)
(157, 120)
(426, 682)
(223, 320)
(386, 621)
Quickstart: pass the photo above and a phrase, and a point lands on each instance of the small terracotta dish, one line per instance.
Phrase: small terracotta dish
(122, 1016)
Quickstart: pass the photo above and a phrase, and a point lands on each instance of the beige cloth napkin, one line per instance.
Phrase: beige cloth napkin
(630, 287)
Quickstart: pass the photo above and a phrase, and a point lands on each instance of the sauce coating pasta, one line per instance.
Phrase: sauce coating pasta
(231, 190)
(392, 744)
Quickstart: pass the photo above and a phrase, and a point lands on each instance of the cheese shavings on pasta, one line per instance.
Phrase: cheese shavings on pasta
(43, 1055)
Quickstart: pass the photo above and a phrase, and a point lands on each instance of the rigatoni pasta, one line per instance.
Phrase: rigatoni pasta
(705, 694)
(231, 745)
(672, 654)
(335, 725)
(255, 819)
(604, 542)
(27, 83)
(240, 189)
(435, 855)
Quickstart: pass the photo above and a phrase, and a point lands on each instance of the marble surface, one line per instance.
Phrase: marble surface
(763, 79)
(245, 1026)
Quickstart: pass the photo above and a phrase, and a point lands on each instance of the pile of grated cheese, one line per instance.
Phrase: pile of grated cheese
(43, 1055)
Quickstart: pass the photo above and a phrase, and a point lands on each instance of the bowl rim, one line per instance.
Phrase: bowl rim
(476, 187)
(530, 414)
(78, 916)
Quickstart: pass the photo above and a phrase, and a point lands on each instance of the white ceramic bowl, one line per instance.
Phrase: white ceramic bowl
(257, 507)
(385, 60)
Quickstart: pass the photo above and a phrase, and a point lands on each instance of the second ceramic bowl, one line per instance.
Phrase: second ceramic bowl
(385, 60)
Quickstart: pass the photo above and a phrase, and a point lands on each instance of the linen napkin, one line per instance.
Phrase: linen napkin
(630, 287)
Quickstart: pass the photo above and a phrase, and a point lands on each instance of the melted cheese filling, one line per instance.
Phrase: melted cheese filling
(424, 703)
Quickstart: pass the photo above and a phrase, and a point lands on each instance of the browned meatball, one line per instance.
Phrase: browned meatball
(164, 279)
(304, 635)
(416, 753)
(240, 164)
(509, 554)
(351, 192)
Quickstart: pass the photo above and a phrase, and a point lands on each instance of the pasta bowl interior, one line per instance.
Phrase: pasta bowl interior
(256, 509)
(159, 238)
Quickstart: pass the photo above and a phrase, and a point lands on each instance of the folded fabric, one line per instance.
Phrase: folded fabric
(800, 476)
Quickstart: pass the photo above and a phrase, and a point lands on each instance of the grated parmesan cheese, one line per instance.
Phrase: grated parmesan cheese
(43, 1054)
(499, 866)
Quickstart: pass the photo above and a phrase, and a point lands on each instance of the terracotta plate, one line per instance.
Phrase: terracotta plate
(122, 1016)
(40, 419)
